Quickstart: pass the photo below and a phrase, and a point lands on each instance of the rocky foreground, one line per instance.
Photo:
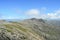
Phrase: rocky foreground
(29, 29)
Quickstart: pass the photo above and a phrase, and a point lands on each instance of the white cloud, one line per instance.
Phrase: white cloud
(37, 14)
(9, 17)
(33, 12)
(54, 15)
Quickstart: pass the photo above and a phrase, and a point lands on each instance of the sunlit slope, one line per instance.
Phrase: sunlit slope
(43, 29)
(16, 31)
(29, 29)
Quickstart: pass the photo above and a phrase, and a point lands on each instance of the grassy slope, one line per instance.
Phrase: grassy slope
(30, 35)
(32, 30)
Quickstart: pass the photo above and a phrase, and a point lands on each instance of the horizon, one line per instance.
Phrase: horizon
(25, 9)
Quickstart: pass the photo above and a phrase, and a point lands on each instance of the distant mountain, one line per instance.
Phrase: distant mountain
(54, 22)
(29, 29)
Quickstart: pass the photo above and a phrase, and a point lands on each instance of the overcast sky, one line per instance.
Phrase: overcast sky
(22, 9)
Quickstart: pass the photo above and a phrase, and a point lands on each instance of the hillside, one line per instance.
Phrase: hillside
(28, 29)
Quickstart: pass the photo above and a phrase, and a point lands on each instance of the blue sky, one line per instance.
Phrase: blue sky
(22, 9)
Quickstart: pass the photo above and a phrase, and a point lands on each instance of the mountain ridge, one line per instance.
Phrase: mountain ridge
(28, 29)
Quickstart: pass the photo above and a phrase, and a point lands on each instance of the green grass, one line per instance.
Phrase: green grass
(9, 30)
(15, 26)
(20, 28)
(8, 26)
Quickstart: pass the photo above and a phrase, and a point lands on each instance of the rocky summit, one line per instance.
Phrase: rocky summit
(29, 29)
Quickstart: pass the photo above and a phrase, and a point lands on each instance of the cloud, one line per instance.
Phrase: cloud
(9, 17)
(33, 12)
(52, 15)
(39, 14)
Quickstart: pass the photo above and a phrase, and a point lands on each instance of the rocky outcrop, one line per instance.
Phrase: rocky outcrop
(29, 29)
